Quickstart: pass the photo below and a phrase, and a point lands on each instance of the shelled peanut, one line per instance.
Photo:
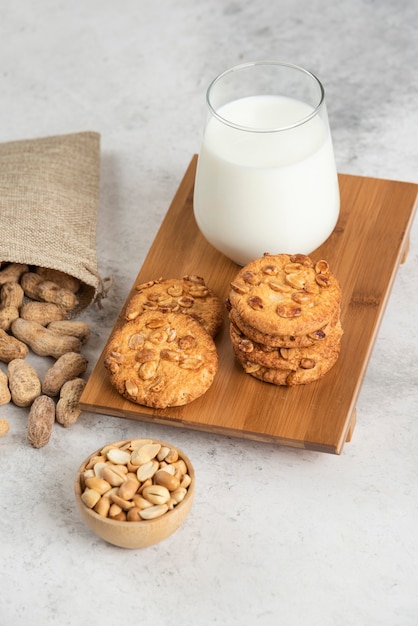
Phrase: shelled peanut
(140, 480)
(36, 305)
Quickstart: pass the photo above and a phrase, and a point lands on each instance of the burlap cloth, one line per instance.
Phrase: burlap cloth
(49, 192)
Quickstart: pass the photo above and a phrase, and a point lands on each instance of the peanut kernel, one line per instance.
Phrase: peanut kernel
(138, 480)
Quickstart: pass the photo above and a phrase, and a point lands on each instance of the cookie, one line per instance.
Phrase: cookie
(286, 295)
(283, 341)
(289, 377)
(284, 358)
(161, 359)
(189, 295)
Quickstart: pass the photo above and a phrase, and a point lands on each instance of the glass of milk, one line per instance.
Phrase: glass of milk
(266, 177)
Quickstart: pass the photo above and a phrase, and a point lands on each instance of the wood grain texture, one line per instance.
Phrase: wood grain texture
(364, 252)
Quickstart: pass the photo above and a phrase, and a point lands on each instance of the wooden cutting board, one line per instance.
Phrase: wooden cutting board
(365, 250)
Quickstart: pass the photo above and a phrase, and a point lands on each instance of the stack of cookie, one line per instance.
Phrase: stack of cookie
(284, 313)
(164, 353)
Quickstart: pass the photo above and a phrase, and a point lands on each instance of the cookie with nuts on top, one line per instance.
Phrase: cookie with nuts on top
(161, 359)
(189, 295)
(286, 295)
(306, 373)
(282, 358)
(283, 341)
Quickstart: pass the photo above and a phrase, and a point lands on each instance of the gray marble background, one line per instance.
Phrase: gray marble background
(276, 536)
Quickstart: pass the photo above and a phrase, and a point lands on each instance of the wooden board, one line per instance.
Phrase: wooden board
(364, 251)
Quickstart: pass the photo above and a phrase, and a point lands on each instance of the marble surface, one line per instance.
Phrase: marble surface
(276, 535)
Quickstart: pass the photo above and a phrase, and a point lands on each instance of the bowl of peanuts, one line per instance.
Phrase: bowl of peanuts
(135, 493)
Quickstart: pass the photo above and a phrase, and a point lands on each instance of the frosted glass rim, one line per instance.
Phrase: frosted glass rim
(242, 66)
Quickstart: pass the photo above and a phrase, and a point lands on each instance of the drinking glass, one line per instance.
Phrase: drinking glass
(266, 178)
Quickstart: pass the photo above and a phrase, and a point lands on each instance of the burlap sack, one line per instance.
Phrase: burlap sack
(49, 190)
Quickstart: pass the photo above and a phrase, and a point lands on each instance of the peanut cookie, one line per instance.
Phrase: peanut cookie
(284, 358)
(189, 295)
(286, 295)
(308, 373)
(161, 359)
(283, 341)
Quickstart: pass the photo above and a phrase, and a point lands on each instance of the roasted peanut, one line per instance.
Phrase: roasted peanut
(87, 474)
(12, 272)
(63, 280)
(134, 515)
(102, 506)
(140, 502)
(147, 483)
(40, 421)
(51, 292)
(125, 505)
(147, 470)
(24, 383)
(180, 467)
(137, 443)
(98, 484)
(68, 406)
(113, 476)
(11, 348)
(167, 480)
(90, 497)
(37, 288)
(98, 468)
(7, 316)
(5, 395)
(51, 296)
(4, 427)
(66, 367)
(153, 511)
(116, 512)
(43, 341)
(42, 312)
(164, 450)
(29, 283)
(145, 453)
(171, 456)
(157, 494)
(185, 481)
(11, 299)
(128, 489)
(117, 456)
(179, 494)
(146, 491)
(94, 460)
(71, 328)
(11, 294)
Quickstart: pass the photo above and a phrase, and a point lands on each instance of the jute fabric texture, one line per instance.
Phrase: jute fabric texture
(49, 193)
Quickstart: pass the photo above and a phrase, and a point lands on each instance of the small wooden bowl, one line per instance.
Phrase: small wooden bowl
(140, 534)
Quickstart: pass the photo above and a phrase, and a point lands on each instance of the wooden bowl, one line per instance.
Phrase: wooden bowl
(136, 534)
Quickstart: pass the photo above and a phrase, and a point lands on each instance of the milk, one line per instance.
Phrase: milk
(259, 192)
